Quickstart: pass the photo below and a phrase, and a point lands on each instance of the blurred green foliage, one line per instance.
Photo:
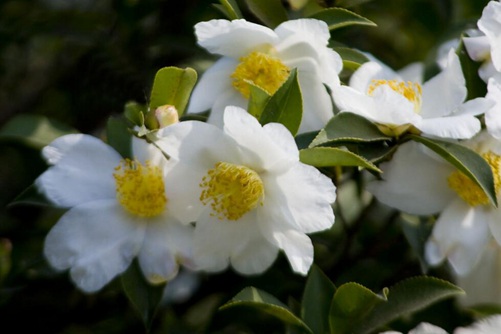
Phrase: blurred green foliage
(78, 62)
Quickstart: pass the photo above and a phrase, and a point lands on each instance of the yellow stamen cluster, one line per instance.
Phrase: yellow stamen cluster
(263, 70)
(140, 188)
(231, 190)
(469, 191)
(412, 91)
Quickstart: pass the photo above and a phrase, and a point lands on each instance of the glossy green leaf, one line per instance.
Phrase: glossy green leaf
(286, 105)
(352, 59)
(173, 86)
(474, 84)
(118, 136)
(229, 8)
(465, 160)
(270, 12)
(316, 302)
(34, 130)
(333, 156)
(135, 112)
(407, 296)
(339, 17)
(350, 305)
(257, 100)
(348, 127)
(264, 302)
(144, 296)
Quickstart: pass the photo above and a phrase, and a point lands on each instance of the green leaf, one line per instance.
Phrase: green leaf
(348, 127)
(417, 230)
(229, 8)
(118, 136)
(350, 305)
(264, 302)
(465, 160)
(352, 59)
(30, 196)
(405, 297)
(270, 12)
(34, 130)
(474, 84)
(173, 86)
(316, 303)
(339, 17)
(257, 100)
(134, 112)
(144, 296)
(286, 105)
(333, 156)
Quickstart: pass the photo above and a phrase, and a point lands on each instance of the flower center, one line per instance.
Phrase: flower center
(263, 70)
(140, 188)
(232, 190)
(412, 91)
(469, 191)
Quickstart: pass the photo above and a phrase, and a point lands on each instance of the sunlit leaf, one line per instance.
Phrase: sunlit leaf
(333, 156)
(264, 302)
(350, 305)
(173, 86)
(229, 8)
(465, 160)
(407, 296)
(270, 12)
(34, 130)
(144, 296)
(348, 127)
(316, 302)
(135, 112)
(257, 100)
(339, 17)
(286, 105)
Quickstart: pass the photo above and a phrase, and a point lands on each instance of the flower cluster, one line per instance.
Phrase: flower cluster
(237, 188)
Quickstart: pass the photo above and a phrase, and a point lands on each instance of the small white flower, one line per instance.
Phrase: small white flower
(418, 181)
(422, 328)
(253, 195)
(118, 209)
(487, 47)
(252, 52)
(396, 105)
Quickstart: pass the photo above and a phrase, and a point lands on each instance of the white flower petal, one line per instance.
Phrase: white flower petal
(214, 82)
(414, 182)
(351, 100)
(96, 240)
(446, 91)
(412, 72)
(228, 98)
(493, 115)
(460, 235)
(279, 135)
(456, 127)
(226, 37)
(490, 25)
(488, 325)
(482, 284)
(166, 243)
(426, 328)
(317, 103)
(83, 170)
(298, 248)
(257, 255)
(312, 30)
(363, 76)
(304, 192)
(478, 47)
(260, 152)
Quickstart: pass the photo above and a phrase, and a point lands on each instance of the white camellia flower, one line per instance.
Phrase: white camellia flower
(265, 57)
(436, 108)
(252, 195)
(488, 325)
(493, 115)
(487, 47)
(418, 181)
(422, 328)
(118, 209)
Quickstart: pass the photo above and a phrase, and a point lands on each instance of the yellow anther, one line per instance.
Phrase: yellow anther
(263, 70)
(231, 190)
(140, 188)
(412, 91)
(469, 191)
